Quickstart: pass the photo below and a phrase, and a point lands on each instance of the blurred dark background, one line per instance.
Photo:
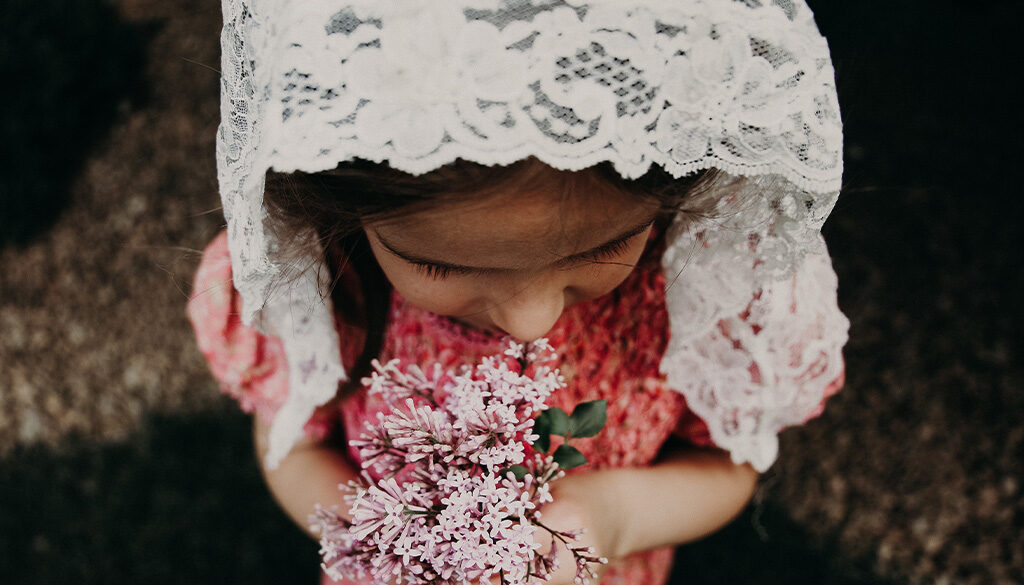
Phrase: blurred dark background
(119, 462)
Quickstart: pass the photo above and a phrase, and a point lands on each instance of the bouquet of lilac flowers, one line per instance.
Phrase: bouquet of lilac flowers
(454, 497)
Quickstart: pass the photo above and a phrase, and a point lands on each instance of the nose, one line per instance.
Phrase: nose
(530, 313)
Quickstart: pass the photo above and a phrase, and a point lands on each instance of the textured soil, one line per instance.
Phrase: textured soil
(120, 463)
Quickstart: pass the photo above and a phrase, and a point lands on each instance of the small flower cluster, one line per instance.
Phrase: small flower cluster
(453, 498)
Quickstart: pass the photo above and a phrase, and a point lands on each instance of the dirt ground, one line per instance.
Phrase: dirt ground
(121, 463)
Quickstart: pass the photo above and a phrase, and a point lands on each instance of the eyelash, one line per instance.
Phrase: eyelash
(440, 271)
(608, 251)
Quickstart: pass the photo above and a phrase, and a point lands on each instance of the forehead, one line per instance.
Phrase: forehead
(555, 213)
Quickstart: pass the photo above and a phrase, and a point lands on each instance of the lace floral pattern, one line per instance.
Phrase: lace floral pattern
(742, 87)
(763, 364)
(745, 86)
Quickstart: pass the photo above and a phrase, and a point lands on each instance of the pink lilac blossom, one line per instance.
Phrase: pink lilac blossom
(447, 509)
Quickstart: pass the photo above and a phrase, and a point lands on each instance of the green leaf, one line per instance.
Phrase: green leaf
(557, 420)
(542, 427)
(543, 443)
(588, 418)
(567, 457)
(552, 421)
(517, 470)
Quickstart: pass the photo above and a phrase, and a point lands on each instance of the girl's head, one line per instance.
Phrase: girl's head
(746, 87)
(503, 249)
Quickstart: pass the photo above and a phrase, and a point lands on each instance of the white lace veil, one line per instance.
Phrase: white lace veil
(745, 86)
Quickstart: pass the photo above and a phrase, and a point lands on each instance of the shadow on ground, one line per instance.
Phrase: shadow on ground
(72, 65)
(765, 546)
(182, 503)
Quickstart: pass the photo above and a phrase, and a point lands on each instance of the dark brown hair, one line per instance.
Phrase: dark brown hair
(339, 202)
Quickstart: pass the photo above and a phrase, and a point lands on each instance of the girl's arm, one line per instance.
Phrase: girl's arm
(691, 493)
(688, 494)
(308, 475)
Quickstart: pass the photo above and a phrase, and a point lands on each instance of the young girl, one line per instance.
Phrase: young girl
(642, 183)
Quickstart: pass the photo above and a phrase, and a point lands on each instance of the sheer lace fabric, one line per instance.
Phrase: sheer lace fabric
(743, 86)
(759, 365)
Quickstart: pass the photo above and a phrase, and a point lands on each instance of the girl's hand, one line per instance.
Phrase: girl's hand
(584, 501)
(588, 501)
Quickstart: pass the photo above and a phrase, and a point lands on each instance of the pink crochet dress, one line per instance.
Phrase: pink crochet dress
(609, 347)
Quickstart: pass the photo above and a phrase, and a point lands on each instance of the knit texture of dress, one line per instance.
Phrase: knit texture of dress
(609, 347)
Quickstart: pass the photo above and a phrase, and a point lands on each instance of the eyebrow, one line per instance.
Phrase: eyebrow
(417, 259)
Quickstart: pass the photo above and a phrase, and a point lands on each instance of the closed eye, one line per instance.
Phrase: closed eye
(441, 271)
(598, 255)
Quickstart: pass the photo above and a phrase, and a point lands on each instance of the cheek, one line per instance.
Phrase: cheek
(595, 280)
